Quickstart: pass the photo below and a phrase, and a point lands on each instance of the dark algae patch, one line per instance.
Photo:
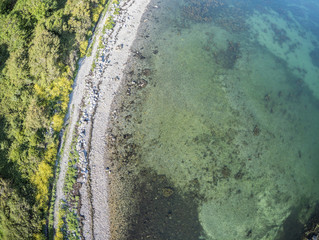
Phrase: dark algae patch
(215, 130)
(315, 57)
(161, 209)
(311, 229)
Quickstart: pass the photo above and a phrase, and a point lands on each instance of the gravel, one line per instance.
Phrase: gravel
(90, 106)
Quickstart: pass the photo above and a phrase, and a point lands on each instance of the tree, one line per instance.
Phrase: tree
(39, 9)
(16, 69)
(36, 117)
(15, 213)
(6, 6)
(44, 55)
(79, 21)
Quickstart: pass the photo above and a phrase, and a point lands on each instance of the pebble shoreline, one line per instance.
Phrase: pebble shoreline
(90, 107)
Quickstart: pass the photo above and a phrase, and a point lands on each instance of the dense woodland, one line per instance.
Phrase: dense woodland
(40, 43)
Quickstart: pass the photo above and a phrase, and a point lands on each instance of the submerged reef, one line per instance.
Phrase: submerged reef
(280, 34)
(314, 54)
(226, 58)
(312, 226)
(231, 18)
(201, 11)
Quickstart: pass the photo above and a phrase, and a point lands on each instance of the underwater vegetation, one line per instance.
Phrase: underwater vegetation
(217, 11)
(213, 112)
(315, 57)
(227, 58)
(201, 11)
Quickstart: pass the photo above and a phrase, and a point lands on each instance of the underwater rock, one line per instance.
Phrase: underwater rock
(315, 57)
(256, 130)
(143, 83)
(227, 58)
(146, 72)
(311, 230)
(267, 97)
(201, 11)
(139, 55)
(167, 192)
(280, 35)
(225, 172)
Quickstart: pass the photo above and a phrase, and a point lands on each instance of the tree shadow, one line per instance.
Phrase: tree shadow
(4, 55)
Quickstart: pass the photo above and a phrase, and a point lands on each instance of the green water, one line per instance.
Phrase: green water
(231, 112)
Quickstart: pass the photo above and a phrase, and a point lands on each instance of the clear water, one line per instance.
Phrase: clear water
(231, 112)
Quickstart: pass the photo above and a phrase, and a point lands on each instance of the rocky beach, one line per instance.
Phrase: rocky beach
(96, 84)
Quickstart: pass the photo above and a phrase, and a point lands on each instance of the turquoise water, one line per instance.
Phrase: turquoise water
(231, 113)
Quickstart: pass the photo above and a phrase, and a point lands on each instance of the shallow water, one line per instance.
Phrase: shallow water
(228, 118)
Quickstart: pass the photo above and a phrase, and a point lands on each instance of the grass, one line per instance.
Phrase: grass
(54, 183)
(93, 65)
(109, 23)
(117, 11)
(89, 51)
(70, 228)
(101, 45)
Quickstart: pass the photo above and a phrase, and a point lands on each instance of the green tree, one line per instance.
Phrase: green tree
(44, 55)
(6, 5)
(15, 213)
(36, 117)
(39, 9)
(12, 31)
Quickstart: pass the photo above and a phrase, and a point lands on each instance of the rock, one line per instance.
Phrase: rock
(167, 192)
(225, 172)
(256, 130)
(146, 72)
(120, 46)
(143, 83)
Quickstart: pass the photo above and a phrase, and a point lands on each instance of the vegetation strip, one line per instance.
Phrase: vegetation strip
(40, 42)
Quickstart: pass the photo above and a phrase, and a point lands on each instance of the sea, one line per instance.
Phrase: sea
(215, 131)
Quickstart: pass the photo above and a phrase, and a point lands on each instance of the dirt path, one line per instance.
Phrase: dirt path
(90, 106)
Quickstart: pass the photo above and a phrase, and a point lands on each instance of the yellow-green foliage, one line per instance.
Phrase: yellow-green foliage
(101, 42)
(42, 176)
(41, 180)
(57, 122)
(39, 236)
(83, 46)
(59, 234)
(109, 23)
(96, 12)
(116, 11)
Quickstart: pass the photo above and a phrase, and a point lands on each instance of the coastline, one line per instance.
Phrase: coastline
(108, 76)
(144, 204)
(90, 106)
(123, 197)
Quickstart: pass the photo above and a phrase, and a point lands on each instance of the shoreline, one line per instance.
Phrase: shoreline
(144, 204)
(90, 107)
(109, 74)
(117, 198)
